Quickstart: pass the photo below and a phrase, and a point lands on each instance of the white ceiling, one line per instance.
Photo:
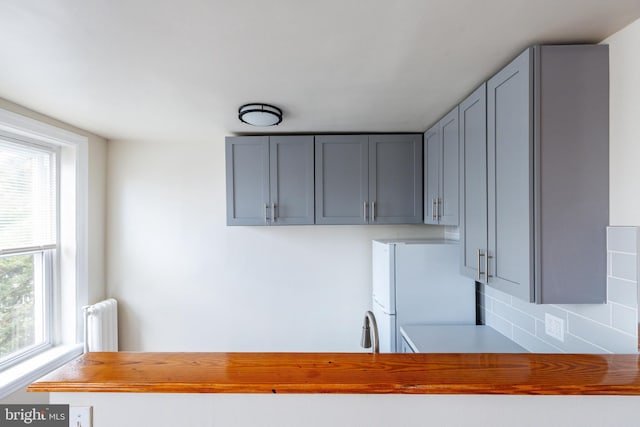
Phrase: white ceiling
(169, 69)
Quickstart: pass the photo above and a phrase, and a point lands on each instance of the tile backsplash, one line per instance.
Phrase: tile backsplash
(588, 328)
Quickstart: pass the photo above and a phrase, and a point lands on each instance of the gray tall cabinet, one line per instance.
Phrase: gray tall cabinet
(546, 176)
(473, 181)
(270, 180)
(441, 151)
(368, 179)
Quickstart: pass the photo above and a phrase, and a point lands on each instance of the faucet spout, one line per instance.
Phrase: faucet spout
(370, 338)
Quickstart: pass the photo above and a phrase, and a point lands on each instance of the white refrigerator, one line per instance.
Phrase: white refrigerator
(418, 282)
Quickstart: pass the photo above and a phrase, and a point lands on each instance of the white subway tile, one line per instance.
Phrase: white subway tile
(622, 292)
(622, 239)
(498, 295)
(501, 325)
(538, 310)
(533, 343)
(602, 336)
(598, 312)
(574, 344)
(625, 319)
(624, 266)
(518, 318)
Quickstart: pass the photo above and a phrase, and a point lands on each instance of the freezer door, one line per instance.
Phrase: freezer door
(386, 329)
(430, 288)
(383, 276)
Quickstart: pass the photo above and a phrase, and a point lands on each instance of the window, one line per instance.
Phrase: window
(28, 246)
(43, 247)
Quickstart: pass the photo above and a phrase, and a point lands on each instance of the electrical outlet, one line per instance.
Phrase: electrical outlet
(554, 326)
(80, 416)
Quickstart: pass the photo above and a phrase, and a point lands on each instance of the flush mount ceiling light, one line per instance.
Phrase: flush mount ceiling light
(260, 114)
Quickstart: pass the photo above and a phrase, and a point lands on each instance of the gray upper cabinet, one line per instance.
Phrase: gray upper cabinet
(441, 204)
(247, 170)
(473, 180)
(547, 177)
(269, 180)
(342, 179)
(395, 179)
(510, 178)
(368, 179)
(291, 180)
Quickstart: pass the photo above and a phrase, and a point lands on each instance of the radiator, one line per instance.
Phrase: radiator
(101, 326)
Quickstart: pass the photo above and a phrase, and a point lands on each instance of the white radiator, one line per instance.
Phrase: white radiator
(101, 326)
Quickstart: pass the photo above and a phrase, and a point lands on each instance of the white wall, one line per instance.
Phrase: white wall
(188, 282)
(625, 125)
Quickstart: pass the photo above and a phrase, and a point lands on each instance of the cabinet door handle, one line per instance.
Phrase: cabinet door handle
(364, 214)
(486, 257)
(486, 266)
(433, 210)
(273, 212)
(373, 211)
(438, 205)
(266, 213)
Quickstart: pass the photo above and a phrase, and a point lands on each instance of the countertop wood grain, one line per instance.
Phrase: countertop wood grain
(353, 373)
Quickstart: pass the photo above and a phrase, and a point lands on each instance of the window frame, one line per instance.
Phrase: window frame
(71, 258)
(48, 271)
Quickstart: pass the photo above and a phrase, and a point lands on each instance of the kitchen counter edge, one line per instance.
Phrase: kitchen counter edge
(347, 373)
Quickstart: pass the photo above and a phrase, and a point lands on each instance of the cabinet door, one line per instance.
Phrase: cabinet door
(247, 163)
(342, 167)
(473, 180)
(431, 174)
(447, 206)
(395, 179)
(510, 178)
(291, 178)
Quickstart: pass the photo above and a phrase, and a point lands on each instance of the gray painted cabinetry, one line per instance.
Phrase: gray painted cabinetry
(547, 176)
(441, 171)
(345, 179)
(368, 179)
(473, 180)
(269, 180)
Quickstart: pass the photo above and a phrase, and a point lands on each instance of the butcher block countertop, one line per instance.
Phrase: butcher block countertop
(348, 373)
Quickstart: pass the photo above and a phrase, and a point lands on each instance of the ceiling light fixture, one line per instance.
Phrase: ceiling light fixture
(260, 114)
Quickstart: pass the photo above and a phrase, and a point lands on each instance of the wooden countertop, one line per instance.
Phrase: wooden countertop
(353, 373)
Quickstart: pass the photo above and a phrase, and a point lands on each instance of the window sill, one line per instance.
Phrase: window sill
(21, 375)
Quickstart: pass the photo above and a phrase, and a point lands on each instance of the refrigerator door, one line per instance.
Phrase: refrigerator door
(430, 288)
(383, 276)
(387, 329)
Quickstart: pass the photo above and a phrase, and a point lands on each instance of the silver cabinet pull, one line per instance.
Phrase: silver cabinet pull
(486, 257)
(438, 205)
(266, 213)
(433, 210)
(273, 212)
(364, 214)
(486, 266)
(373, 211)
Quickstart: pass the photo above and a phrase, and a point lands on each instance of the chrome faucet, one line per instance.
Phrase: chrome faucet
(369, 323)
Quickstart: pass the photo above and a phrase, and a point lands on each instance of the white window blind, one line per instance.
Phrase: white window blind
(27, 197)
